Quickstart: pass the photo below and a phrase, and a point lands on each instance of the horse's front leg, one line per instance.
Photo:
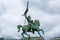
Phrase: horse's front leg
(27, 34)
(41, 30)
(39, 33)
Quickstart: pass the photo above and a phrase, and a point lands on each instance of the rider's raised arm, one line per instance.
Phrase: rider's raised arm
(25, 13)
(27, 18)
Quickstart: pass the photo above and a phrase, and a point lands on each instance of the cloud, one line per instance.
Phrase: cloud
(54, 3)
(48, 6)
(48, 21)
(4, 6)
(11, 18)
(55, 32)
(12, 11)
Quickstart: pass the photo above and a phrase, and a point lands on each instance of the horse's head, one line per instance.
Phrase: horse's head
(19, 26)
(36, 22)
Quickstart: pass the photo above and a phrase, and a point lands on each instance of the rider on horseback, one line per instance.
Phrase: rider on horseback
(29, 20)
(31, 26)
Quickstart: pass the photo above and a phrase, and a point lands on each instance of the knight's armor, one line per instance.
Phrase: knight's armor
(30, 21)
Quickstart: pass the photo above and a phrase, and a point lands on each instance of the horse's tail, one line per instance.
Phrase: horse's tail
(42, 30)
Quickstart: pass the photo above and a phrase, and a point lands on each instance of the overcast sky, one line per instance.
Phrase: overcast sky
(47, 11)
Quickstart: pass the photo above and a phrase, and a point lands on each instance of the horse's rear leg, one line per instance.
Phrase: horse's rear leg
(27, 35)
(23, 35)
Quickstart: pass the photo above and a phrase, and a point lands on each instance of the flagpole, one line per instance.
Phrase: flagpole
(26, 11)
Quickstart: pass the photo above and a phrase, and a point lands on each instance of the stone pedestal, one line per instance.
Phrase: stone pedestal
(33, 38)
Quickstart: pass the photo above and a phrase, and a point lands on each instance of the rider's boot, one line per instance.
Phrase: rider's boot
(33, 31)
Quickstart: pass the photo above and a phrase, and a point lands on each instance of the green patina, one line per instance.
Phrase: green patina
(32, 26)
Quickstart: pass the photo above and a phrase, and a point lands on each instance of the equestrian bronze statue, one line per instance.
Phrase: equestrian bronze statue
(32, 26)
